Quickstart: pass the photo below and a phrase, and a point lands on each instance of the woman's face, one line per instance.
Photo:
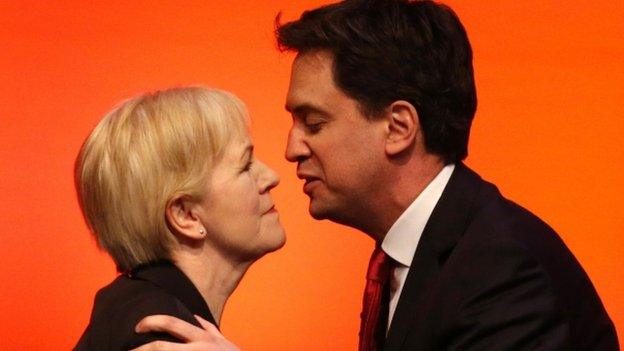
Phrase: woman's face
(237, 212)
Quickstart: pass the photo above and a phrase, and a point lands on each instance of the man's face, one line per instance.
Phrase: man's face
(338, 151)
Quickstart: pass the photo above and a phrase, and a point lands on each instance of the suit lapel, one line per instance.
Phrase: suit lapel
(447, 223)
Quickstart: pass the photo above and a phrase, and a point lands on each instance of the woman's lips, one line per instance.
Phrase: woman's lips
(271, 210)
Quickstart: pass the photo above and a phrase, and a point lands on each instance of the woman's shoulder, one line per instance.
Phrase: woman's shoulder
(119, 306)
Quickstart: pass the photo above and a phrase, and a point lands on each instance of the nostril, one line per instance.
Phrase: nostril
(295, 157)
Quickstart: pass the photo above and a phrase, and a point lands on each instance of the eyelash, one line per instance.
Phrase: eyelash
(247, 166)
(314, 128)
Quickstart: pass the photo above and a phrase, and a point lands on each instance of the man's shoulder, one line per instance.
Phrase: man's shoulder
(506, 250)
(501, 222)
(494, 218)
(504, 234)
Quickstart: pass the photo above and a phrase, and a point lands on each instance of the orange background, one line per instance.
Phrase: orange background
(548, 131)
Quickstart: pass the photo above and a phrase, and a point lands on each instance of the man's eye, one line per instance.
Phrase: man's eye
(314, 127)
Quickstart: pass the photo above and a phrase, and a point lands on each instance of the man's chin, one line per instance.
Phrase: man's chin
(317, 215)
(317, 212)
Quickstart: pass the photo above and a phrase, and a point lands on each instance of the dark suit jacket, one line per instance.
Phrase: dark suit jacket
(489, 275)
(159, 288)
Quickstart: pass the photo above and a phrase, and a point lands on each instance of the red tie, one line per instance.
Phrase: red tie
(379, 269)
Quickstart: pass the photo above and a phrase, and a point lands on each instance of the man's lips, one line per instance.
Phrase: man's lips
(306, 176)
(310, 181)
(309, 184)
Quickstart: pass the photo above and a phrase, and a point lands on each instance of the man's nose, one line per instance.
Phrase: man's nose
(296, 148)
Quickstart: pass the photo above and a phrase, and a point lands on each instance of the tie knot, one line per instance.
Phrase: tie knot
(379, 266)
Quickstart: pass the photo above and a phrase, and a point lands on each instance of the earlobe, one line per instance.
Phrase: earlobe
(403, 127)
(182, 219)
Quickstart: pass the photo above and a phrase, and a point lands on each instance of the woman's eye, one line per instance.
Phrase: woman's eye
(247, 166)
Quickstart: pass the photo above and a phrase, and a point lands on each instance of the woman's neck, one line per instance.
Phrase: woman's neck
(213, 275)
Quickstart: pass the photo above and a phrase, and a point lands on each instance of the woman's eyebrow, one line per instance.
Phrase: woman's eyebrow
(247, 153)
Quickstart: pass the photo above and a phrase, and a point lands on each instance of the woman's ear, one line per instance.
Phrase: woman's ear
(181, 215)
(403, 127)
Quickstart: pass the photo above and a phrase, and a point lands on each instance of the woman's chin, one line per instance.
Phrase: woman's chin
(276, 240)
(272, 241)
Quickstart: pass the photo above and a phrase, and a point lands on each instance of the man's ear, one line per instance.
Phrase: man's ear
(403, 127)
(181, 215)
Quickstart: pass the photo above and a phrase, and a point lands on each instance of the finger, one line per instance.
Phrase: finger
(161, 346)
(176, 327)
(209, 327)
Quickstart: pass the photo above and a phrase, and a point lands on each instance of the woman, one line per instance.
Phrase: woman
(169, 186)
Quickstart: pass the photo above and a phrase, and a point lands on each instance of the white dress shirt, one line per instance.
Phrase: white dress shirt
(402, 239)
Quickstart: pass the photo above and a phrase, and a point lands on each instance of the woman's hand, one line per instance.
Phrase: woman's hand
(195, 339)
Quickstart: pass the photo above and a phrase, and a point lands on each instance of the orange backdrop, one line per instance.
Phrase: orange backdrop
(548, 131)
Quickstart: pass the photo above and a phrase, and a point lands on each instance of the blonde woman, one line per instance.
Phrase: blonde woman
(169, 186)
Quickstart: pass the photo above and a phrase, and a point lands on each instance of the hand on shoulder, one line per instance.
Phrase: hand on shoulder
(207, 338)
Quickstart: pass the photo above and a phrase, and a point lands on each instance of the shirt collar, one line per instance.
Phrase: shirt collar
(402, 239)
(167, 276)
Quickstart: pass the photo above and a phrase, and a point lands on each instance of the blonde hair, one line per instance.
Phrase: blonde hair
(142, 154)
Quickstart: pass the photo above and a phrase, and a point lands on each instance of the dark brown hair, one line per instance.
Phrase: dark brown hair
(389, 50)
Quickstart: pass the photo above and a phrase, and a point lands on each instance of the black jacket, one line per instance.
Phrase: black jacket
(159, 288)
(489, 275)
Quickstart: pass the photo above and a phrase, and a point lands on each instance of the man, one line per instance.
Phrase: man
(382, 97)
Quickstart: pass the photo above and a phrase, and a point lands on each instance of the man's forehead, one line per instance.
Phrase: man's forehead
(311, 74)
(318, 58)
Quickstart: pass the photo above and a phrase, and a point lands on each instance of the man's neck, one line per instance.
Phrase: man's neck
(405, 184)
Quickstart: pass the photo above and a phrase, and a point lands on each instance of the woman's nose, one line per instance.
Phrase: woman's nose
(268, 178)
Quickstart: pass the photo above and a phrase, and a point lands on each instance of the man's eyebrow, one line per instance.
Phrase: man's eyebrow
(304, 109)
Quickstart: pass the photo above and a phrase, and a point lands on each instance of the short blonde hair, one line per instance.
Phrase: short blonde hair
(144, 153)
